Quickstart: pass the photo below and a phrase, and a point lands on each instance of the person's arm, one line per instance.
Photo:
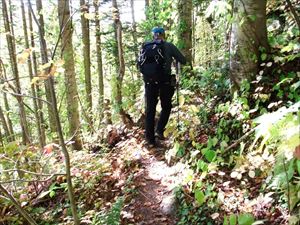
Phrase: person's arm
(177, 54)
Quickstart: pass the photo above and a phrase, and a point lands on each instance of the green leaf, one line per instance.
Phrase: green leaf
(252, 17)
(200, 197)
(210, 155)
(52, 194)
(298, 166)
(215, 141)
(245, 219)
(263, 56)
(201, 165)
(232, 219)
(225, 222)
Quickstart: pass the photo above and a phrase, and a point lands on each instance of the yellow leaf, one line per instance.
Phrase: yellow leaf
(89, 16)
(181, 100)
(22, 58)
(35, 80)
(45, 66)
(53, 70)
(194, 108)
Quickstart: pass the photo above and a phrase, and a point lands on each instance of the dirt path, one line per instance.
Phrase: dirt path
(152, 200)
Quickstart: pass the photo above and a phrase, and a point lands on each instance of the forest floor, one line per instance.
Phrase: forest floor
(132, 184)
(153, 181)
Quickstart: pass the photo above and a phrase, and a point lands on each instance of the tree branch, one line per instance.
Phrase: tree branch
(29, 181)
(34, 173)
(240, 140)
(17, 205)
(294, 13)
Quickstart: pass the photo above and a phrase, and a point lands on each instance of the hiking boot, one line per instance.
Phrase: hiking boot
(160, 136)
(150, 144)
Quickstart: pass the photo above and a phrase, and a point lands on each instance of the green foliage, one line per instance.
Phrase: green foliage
(280, 129)
(112, 217)
(245, 219)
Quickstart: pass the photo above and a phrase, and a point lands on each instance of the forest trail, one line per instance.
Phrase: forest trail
(153, 181)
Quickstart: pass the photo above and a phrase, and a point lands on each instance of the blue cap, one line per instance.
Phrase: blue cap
(158, 30)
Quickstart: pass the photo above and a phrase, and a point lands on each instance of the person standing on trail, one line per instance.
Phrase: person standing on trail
(155, 60)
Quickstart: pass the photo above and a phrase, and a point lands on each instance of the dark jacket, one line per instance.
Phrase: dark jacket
(171, 52)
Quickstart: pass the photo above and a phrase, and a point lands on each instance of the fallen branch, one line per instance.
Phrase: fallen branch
(239, 140)
(28, 181)
(34, 173)
(16, 204)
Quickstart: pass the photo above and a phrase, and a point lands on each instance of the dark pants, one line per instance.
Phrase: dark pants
(152, 91)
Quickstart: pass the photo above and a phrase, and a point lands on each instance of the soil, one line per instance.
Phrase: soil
(152, 200)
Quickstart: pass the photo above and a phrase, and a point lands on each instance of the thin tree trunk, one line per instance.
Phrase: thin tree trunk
(11, 19)
(13, 60)
(134, 32)
(146, 9)
(99, 59)
(121, 63)
(35, 104)
(35, 70)
(84, 4)
(1, 138)
(6, 105)
(45, 60)
(70, 80)
(65, 152)
(7, 109)
(185, 28)
(5, 125)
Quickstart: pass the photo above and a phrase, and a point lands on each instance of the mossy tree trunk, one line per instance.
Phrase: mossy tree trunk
(41, 135)
(35, 74)
(84, 6)
(120, 65)
(6, 104)
(185, 42)
(70, 78)
(45, 60)
(248, 39)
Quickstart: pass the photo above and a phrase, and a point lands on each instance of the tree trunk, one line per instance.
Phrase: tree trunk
(99, 59)
(86, 55)
(13, 60)
(185, 28)
(11, 18)
(35, 105)
(37, 87)
(247, 39)
(45, 60)
(134, 32)
(70, 80)
(1, 138)
(120, 64)
(6, 105)
(5, 126)
(146, 9)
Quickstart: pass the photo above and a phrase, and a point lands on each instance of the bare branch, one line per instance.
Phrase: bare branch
(34, 173)
(17, 205)
(29, 181)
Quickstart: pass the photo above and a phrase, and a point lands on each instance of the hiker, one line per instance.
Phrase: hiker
(155, 61)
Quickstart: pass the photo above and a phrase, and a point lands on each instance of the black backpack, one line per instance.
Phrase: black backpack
(151, 61)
